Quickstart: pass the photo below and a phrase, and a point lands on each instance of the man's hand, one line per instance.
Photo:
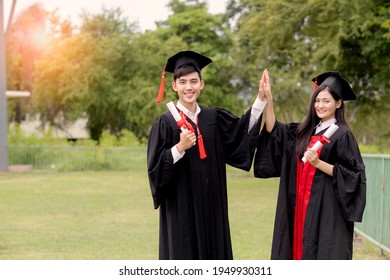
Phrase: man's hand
(187, 140)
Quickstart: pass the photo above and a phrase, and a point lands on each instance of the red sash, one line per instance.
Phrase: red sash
(305, 174)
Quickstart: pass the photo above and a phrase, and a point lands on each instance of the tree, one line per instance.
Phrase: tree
(109, 71)
(297, 40)
(25, 44)
(88, 73)
(114, 65)
(59, 80)
(364, 55)
(207, 34)
(190, 26)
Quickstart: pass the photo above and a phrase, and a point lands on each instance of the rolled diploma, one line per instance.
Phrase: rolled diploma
(175, 114)
(328, 133)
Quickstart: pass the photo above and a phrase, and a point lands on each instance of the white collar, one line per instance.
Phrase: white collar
(188, 113)
(323, 125)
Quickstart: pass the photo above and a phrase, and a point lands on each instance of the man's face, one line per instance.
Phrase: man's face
(188, 88)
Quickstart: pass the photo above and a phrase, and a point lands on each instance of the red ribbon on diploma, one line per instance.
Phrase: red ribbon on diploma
(323, 139)
(183, 123)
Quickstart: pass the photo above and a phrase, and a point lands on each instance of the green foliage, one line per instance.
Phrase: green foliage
(46, 158)
(53, 158)
(299, 39)
(16, 136)
(88, 73)
(374, 149)
(110, 72)
(197, 29)
(24, 45)
(125, 138)
(47, 152)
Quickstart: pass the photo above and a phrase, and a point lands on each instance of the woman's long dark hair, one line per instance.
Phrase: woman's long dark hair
(305, 129)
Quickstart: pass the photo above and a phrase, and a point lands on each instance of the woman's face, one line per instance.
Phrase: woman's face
(325, 105)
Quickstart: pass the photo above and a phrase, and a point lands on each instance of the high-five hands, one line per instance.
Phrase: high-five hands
(265, 94)
(265, 87)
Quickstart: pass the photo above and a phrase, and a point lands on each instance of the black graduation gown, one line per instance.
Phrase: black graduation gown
(192, 193)
(335, 202)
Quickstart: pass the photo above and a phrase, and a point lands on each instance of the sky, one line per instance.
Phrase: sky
(145, 12)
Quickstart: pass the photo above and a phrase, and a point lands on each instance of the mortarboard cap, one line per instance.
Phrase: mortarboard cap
(337, 83)
(181, 58)
(187, 57)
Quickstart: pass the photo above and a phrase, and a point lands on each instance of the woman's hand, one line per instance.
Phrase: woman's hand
(265, 93)
(261, 93)
(312, 157)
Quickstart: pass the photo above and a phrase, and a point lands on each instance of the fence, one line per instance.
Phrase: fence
(376, 219)
(67, 159)
(39, 158)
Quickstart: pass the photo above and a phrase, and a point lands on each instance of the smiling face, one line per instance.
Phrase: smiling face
(188, 88)
(325, 105)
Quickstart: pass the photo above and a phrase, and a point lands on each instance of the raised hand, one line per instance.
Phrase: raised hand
(261, 93)
(267, 86)
(265, 93)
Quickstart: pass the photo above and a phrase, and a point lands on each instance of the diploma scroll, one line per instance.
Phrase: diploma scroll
(176, 115)
(328, 133)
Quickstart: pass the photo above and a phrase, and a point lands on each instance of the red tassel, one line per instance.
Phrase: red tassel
(202, 151)
(161, 90)
(315, 86)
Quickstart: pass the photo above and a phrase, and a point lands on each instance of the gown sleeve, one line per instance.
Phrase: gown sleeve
(269, 154)
(240, 145)
(160, 160)
(349, 178)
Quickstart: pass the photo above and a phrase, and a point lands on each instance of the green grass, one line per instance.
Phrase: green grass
(110, 216)
(103, 215)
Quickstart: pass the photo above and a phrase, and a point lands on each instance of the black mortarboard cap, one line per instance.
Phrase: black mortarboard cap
(181, 58)
(337, 83)
(187, 57)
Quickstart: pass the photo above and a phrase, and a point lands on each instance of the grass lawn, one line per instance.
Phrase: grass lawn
(110, 216)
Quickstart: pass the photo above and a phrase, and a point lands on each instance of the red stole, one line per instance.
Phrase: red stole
(305, 174)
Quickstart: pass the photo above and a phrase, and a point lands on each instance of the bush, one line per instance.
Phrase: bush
(126, 138)
(373, 149)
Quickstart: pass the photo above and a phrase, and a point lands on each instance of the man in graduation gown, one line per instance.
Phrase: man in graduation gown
(187, 172)
(315, 211)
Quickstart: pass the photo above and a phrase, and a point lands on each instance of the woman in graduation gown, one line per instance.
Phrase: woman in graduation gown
(187, 172)
(318, 201)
